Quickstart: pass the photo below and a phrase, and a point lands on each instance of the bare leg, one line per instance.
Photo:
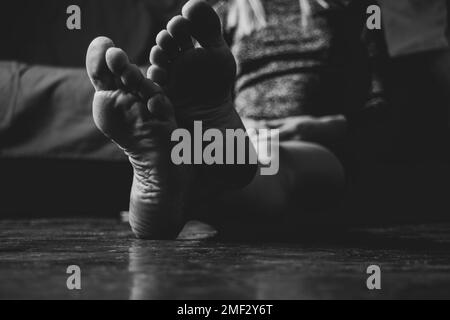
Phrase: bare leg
(308, 188)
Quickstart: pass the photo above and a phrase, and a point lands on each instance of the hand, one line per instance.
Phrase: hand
(254, 124)
(328, 129)
(294, 128)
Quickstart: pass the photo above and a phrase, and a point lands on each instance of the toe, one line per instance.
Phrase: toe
(165, 41)
(178, 28)
(160, 107)
(205, 23)
(97, 69)
(158, 57)
(157, 74)
(130, 75)
(119, 64)
(117, 61)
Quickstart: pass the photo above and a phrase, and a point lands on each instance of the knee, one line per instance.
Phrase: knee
(318, 177)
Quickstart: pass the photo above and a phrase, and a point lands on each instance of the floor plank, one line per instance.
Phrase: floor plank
(34, 255)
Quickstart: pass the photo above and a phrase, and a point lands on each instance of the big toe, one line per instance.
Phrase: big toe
(97, 69)
(205, 23)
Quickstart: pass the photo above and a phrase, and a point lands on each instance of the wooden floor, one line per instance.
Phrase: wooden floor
(34, 256)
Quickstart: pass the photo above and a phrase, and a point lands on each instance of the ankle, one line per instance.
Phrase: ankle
(156, 204)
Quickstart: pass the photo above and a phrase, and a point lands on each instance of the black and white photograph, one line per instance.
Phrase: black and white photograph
(225, 156)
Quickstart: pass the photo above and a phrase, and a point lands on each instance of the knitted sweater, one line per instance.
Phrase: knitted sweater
(329, 67)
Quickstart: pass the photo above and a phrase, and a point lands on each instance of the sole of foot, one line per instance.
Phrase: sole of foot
(135, 113)
(185, 83)
(199, 80)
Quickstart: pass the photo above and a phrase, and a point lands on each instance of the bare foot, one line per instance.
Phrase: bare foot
(133, 112)
(136, 114)
(199, 80)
